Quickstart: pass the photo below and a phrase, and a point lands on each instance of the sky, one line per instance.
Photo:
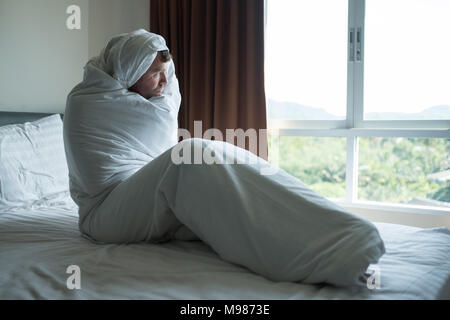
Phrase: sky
(407, 50)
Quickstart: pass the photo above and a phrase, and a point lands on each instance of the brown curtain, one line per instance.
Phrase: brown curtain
(218, 50)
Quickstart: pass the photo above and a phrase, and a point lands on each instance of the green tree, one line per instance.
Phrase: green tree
(390, 169)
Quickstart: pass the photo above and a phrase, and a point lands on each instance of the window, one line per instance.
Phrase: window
(303, 157)
(302, 74)
(404, 170)
(407, 65)
(358, 93)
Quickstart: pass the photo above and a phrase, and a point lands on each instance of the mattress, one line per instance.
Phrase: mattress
(39, 243)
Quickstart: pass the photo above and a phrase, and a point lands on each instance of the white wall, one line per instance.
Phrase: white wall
(110, 17)
(41, 60)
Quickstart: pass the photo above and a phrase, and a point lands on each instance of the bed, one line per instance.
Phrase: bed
(40, 245)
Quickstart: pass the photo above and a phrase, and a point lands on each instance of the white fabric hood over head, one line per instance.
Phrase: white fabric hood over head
(111, 132)
(126, 57)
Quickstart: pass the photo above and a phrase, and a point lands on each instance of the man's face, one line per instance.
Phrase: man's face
(153, 81)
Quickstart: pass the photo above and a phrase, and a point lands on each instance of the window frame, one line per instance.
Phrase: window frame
(354, 126)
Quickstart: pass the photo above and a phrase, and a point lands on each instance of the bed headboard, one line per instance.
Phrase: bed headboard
(9, 117)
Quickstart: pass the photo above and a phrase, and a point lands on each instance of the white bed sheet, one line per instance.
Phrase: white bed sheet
(39, 242)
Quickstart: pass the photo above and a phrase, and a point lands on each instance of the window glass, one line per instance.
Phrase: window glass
(319, 162)
(407, 64)
(306, 59)
(412, 171)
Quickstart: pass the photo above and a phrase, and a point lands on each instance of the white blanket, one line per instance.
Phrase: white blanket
(111, 132)
(119, 147)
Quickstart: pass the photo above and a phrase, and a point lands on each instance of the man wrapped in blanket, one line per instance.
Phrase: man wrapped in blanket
(120, 136)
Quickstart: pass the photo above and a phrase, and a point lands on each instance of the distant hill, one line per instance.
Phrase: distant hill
(441, 112)
(295, 111)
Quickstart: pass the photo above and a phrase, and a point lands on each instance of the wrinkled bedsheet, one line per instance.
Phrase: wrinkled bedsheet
(39, 242)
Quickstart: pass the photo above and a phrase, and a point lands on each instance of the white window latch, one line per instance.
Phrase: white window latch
(355, 46)
(358, 45)
(351, 47)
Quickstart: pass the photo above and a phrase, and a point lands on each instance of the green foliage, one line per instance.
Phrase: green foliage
(318, 162)
(443, 194)
(398, 169)
(390, 169)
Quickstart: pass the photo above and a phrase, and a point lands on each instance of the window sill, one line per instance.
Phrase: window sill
(412, 215)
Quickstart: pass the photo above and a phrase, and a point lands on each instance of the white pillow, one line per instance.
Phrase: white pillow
(32, 161)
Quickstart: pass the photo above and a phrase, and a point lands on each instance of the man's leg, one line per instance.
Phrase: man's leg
(136, 210)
